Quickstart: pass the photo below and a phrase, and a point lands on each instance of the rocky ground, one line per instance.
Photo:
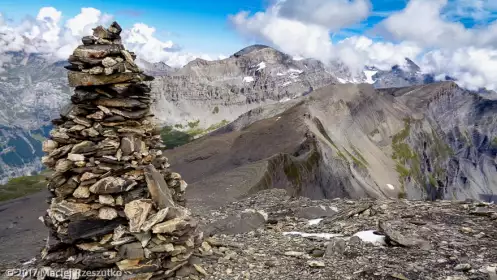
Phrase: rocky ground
(273, 236)
(283, 238)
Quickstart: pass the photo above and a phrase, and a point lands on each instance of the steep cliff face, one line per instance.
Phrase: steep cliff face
(352, 141)
(212, 91)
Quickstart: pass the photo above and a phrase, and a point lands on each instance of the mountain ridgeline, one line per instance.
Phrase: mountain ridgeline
(290, 124)
(434, 141)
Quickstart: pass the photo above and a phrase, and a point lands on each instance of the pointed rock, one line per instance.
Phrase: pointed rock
(157, 186)
(155, 219)
(137, 211)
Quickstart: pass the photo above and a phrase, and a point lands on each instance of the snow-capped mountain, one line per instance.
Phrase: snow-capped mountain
(33, 89)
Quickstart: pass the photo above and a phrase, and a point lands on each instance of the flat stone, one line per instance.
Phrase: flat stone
(97, 51)
(107, 213)
(137, 211)
(81, 192)
(99, 115)
(174, 227)
(83, 95)
(120, 103)
(76, 128)
(134, 266)
(247, 221)
(96, 70)
(316, 212)
(87, 79)
(132, 251)
(134, 115)
(157, 186)
(109, 62)
(64, 209)
(75, 157)
(49, 146)
(84, 147)
(60, 152)
(143, 237)
(63, 165)
(106, 199)
(88, 40)
(155, 219)
(88, 176)
(84, 229)
(109, 185)
(91, 247)
(163, 248)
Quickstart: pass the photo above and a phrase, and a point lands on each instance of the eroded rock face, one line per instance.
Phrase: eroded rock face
(115, 204)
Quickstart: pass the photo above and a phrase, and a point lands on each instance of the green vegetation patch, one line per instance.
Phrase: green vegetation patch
(173, 137)
(494, 142)
(38, 137)
(22, 186)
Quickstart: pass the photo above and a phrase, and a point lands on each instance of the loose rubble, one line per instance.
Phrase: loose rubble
(115, 204)
(363, 239)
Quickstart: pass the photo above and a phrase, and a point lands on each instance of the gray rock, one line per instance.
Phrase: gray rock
(315, 212)
(158, 188)
(133, 251)
(109, 185)
(137, 212)
(247, 221)
(87, 79)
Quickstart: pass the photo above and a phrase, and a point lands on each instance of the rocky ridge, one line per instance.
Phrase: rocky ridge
(114, 202)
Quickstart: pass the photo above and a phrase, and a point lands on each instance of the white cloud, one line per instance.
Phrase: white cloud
(333, 14)
(291, 36)
(427, 31)
(473, 68)
(308, 34)
(424, 23)
(46, 34)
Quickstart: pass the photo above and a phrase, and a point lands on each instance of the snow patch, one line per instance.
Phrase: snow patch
(248, 79)
(261, 66)
(314, 222)
(370, 237)
(369, 76)
(286, 84)
(390, 186)
(297, 58)
(341, 80)
(285, 99)
(326, 236)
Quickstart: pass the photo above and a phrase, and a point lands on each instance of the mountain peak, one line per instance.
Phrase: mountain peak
(250, 49)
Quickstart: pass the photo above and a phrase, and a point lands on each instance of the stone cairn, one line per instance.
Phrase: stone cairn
(114, 203)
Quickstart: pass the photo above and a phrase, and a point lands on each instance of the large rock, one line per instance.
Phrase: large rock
(158, 188)
(137, 211)
(109, 185)
(86, 79)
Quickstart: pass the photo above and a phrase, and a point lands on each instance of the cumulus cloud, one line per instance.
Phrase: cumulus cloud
(304, 30)
(427, 31)
(333, 14)
(425, 23)
(47, 34)
(474, 68)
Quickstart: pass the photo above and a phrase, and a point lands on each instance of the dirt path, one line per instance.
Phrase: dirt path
(21, 233)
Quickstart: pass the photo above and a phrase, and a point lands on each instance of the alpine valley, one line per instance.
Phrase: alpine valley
(266, 120)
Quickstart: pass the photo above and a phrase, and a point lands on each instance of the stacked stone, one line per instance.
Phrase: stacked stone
(115, 204)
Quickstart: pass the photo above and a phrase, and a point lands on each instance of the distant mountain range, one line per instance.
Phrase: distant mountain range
(33, 89)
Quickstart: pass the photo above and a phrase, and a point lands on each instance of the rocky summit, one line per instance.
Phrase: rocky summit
(114, 202)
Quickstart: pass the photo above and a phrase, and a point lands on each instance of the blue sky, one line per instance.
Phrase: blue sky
(196, 25)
